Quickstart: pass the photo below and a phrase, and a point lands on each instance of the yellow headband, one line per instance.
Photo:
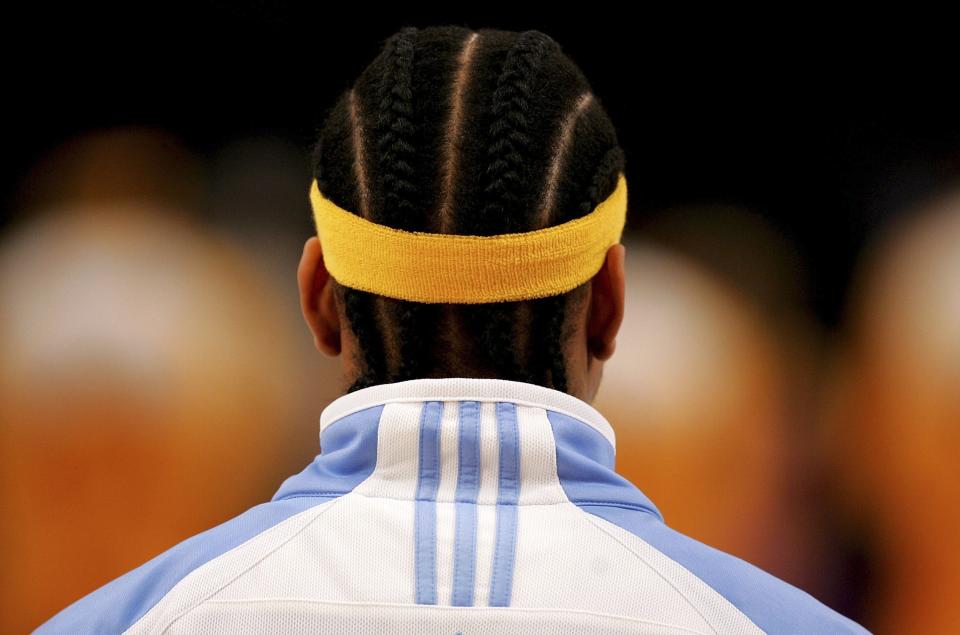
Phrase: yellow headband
(461, 269)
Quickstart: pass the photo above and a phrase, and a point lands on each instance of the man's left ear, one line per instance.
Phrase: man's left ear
(317, 301)
(607, 304)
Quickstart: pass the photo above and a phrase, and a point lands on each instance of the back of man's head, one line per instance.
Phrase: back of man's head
(450, 130)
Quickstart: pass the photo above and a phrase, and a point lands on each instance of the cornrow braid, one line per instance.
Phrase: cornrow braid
(509, 152)
(403, 207)
(338, 173)
(511, 146)
(552, 311)
(394, 135)
(470, 132)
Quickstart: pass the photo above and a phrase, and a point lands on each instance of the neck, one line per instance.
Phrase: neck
(354, 383)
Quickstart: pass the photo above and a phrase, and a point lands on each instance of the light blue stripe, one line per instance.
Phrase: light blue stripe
(468, 484)
(425, 520)
(501, 582)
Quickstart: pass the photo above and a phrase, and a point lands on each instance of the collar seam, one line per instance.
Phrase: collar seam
(446, 389)
(454, 502)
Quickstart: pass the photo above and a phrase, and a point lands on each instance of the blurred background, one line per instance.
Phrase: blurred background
(786, 386)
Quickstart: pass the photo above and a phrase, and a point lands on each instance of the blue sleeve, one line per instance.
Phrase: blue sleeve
(772, 604)
(585, 463)
(119, 604)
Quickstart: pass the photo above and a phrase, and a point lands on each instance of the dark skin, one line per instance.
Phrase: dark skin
(593, 342)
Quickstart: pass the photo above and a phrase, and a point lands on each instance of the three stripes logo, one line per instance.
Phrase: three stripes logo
(469, 471)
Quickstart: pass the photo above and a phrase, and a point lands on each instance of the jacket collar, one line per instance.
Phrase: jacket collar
(468, 389)
(481, 440)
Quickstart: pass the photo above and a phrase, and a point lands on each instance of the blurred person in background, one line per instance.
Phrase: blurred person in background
(135, 340)
(469, 195)
(896, 406)
(708, 404)
(719, 416)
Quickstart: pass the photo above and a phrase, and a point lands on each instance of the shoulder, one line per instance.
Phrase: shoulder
(119, 604)
(774, 605)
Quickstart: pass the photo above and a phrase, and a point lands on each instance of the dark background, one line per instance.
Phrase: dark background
(825, 127)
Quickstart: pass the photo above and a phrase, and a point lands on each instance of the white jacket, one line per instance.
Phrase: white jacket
(454, 506)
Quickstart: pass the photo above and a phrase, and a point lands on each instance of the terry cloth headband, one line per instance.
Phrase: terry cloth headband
(463, 269)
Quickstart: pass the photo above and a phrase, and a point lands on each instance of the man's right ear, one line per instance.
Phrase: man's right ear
(317, 301)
